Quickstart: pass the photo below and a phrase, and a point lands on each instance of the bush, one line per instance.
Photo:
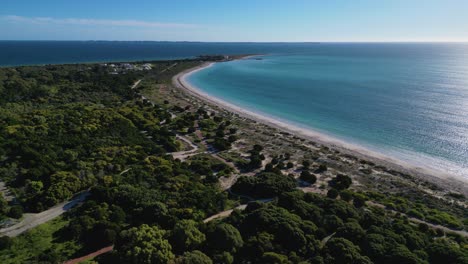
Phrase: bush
(196, 257)
(359, 201)
(221, 144)
(264, 185)
(346, 196)
(308, 177)
(321, 168)
(341, 182)
(5, 242)
(227, 238)
(274, 258)
(332, 193)
(232, 138)
(16, 212)
(225, 258)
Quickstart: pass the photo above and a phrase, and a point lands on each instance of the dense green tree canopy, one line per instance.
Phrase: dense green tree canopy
(186, 236)
(144, 244)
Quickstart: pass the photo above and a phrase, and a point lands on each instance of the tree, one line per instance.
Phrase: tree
(442, 251)
(196, 257)
(34, 187)
(232, 138)
(332, 193)
(144, 244)
(351, 231)
(50, 256)
(186, 236)
(255, 162)
(63, 185)
(3, 205)
(225, 258)
(332, 222)
(5, 242)
(340, 250)
(321, 168)
(308, 177)
(359, 201)
(221, 144)
(401, 254)
(341, 182)
(257, 148)
(191, 130)
(101, 235)
(117, 215)
(346, 195)
(274, 258)
(255, 157)
(225, 237)
(16, 211)
(264, 185)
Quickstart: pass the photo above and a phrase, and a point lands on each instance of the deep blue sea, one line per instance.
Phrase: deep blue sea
(405, 100)
(15, 53)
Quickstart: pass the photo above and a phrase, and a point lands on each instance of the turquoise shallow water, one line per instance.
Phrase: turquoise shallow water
(408, 101)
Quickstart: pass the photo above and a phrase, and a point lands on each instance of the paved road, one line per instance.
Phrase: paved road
(32, 220)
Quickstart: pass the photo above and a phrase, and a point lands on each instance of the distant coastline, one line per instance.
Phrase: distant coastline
(432, 175)
(53, 52)
(15, 53)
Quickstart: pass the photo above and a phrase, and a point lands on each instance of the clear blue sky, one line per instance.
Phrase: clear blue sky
(235, 20)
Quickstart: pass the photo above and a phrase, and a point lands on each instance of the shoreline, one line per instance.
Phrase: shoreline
(450, 181)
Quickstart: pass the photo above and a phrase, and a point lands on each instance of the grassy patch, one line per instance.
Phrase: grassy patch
(28, 246)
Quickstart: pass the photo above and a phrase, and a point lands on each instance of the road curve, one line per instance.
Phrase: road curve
(182, 155)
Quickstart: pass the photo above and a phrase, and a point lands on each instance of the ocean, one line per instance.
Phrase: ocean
(17, 53)
(405, 100)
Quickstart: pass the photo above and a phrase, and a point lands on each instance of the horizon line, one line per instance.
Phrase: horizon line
(266, 42)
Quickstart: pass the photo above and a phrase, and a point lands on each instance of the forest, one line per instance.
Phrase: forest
(67, 129)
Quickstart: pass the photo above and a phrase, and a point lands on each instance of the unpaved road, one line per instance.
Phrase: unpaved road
(224, 213)
(229, 212)
(168, 68)
(136, 84)
(182, 155)
(32, 220)
(90, 256)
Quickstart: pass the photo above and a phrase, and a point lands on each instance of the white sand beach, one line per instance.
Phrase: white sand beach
(418, 170)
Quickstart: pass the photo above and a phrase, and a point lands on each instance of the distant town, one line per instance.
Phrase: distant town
(117, 68)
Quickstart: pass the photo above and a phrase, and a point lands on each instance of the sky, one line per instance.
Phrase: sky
(236, 20)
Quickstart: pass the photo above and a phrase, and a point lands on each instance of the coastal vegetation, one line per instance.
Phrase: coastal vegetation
(79, 128)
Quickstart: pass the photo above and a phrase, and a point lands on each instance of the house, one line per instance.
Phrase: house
(146, 66)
